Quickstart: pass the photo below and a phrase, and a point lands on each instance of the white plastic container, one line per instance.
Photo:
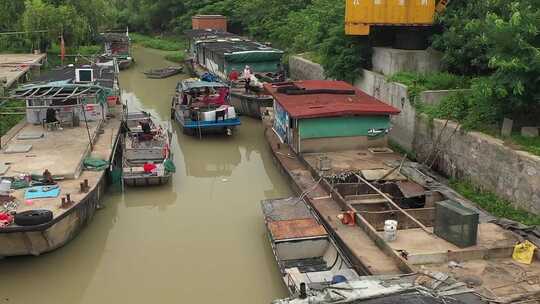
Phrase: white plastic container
(5, 186)
(390, 230)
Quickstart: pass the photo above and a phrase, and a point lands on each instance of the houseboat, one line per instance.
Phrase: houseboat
(202, 107)
(236, 60)
(55, 166)
(147, 157)
(306, 255)
(118, 46)
(319, 116)
(388, 215)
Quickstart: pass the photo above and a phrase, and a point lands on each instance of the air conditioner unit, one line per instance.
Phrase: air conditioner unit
(84, 75)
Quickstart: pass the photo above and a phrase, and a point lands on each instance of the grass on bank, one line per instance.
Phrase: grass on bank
(312, 56)
(8, 121)
(159, 43)
(529, 144)
(177, 57)
(419, 82)
(494, 204)
(175, 45)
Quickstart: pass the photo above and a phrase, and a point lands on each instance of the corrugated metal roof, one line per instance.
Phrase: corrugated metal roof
(345, 100)
(104, 75)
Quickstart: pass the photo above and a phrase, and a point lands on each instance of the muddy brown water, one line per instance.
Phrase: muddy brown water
(200, 239)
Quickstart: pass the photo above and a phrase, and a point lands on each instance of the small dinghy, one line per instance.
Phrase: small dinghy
(147, 156)
(164, 73)
(306, 255)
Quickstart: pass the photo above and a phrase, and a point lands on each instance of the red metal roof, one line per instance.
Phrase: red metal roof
(328, 104)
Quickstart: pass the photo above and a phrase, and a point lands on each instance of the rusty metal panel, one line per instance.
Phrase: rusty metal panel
(411, 189)
(296, 229)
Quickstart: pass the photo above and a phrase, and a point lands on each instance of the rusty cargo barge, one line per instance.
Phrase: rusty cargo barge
(73, 123)
(355, 184)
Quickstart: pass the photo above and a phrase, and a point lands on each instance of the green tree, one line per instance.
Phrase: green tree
(10, 10)
(62, 20)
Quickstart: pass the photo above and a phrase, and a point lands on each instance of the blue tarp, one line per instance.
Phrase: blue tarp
(42, 192)
(209, 77)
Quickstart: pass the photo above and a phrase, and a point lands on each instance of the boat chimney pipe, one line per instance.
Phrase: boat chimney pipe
(303, 291)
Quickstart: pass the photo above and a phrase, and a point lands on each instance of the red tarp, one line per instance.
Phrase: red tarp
(328, 105)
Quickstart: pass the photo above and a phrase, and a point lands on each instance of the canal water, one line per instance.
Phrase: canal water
(200, 239)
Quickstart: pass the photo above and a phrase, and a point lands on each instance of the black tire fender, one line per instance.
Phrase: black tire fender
(33, 217)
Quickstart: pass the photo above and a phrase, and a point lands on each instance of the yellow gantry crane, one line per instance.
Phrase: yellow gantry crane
(360, 15)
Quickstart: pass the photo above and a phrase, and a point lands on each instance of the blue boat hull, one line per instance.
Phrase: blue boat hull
(207, 127)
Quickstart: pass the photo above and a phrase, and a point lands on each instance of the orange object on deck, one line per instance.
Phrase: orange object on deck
(348, 218)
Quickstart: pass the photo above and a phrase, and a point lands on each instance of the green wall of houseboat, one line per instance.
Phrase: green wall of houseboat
(341, 126)
(257, 67)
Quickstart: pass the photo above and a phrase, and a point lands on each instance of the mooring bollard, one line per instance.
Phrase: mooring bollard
(86, 186)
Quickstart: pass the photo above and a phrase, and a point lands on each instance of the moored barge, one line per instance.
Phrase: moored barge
(117, 46)
(390, 216)
(73, 116)
(240, 62)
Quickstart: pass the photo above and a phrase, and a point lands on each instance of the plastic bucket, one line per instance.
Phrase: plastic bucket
(5, 186)
(390, 230)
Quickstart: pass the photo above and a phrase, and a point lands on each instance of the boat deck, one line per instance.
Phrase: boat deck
(357, 161)
(423, 248)
(61, 152)
(494, 278)
(355, 240)
(15, 66)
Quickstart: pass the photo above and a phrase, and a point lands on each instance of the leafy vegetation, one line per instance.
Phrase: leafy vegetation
(419, 82)
(496, 41)
(529, 144)
(178, 57)
(315, 26)
(8, 120)
(159, 43)
(43, 22)
(493, 204)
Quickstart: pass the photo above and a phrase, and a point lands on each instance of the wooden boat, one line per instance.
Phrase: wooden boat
(164, 73)
(147, 159)
(202, 107)
(306, 255)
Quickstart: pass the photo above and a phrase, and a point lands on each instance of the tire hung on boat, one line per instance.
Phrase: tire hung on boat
(33, 217)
